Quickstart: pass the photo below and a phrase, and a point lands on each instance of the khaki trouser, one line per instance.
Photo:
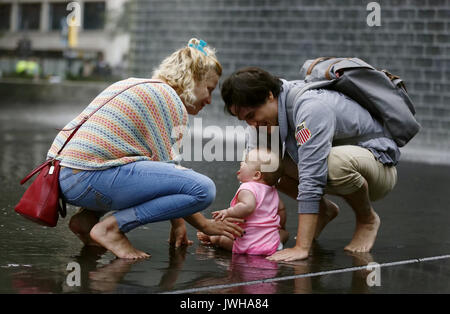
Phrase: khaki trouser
(348, 166)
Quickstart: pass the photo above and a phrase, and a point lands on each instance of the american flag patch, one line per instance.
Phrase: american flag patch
(302, 134)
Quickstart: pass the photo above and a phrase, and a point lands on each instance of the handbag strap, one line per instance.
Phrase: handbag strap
(36, 170)
(75, 128)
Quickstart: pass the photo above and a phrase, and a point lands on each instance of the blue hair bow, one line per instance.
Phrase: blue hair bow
(200, 46)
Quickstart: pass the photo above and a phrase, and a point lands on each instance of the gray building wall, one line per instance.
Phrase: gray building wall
(413, 42)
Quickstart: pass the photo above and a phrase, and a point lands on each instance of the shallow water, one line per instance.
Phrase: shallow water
(34, 259)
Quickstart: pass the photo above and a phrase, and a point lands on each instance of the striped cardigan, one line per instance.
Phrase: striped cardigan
(144, 122)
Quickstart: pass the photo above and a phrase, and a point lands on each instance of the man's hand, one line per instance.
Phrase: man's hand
(289, 255)
(178, 235)
(305, 235)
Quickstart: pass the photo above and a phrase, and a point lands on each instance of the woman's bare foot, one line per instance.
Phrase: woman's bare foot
(204, 238)
(328, 211)
(365, 234)
(81, 224)
(108, 234)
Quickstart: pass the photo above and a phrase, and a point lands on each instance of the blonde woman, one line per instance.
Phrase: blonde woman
(122, 158)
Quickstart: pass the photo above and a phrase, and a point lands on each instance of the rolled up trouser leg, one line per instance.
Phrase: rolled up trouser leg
(349, 165)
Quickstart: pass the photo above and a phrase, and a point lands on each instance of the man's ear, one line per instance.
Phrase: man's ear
(270, 97)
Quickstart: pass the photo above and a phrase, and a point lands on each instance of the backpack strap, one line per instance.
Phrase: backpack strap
(327, 72)
(314, 63)
(296, 92)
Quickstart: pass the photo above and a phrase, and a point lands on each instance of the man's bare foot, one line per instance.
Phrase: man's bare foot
(328, 211)
(204, 238)
(360, 258)
(81, 224)
(108, 234)
(365, 234)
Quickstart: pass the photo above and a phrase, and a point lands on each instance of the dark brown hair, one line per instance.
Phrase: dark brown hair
(249, 87)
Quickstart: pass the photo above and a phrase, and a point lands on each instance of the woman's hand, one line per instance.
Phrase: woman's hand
(228, 227)
(178, 234)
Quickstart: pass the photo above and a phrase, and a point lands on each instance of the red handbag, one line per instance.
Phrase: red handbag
(41, 202)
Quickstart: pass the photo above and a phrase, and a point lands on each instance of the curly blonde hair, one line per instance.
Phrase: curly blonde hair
(186, 66)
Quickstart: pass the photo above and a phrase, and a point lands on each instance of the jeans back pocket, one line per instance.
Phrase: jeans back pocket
(92, 199)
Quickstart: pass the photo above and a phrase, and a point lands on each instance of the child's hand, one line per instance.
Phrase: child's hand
(220, 214)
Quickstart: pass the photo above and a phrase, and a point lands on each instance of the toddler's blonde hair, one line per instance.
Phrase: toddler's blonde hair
(186, 66)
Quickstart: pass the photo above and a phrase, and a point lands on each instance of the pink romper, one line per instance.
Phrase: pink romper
(262, 235)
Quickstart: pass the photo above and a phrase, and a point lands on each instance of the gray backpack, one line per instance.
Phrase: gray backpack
(384, 95)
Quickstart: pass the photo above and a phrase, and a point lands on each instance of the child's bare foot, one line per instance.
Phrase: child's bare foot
(81, 224)
(219, 241)
(328, 211)
(108, 234)
(204, 238)
(365, 234)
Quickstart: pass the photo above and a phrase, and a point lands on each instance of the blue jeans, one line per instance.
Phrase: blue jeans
(140, 192)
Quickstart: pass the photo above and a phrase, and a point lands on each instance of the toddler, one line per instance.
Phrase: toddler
(257, 202)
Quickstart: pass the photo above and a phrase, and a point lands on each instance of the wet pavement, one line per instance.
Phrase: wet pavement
(412, 248)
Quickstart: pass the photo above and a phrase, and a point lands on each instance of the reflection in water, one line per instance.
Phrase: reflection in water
(359, 278)
(176, 262)
(302, 285)
(98, 275)
(89, 260)
(250, 268)
(45, 280)
(302, 277)
(238, 268)
(106, 278)
(28, 281)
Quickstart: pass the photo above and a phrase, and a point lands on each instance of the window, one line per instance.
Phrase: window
(29, 16)
(58, 14)
(94, 15)
(5, 16)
